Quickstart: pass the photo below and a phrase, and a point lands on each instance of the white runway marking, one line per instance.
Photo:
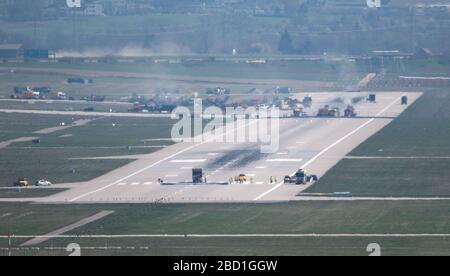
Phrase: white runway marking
(148, 183)
(212, 154)
(171, 175)
(189, 161)
(135, 184)
(284, 160)
(260, 168)
(330, 147)
(122, 184)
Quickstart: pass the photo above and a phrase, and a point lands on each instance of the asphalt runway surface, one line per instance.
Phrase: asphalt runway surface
(316, 144)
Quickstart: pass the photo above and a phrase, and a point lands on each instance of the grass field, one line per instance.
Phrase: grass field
(286, 218)
(421, 135)
(289, 70)
(29, 192)
(55, 157)
(23, 125)
(65, 106)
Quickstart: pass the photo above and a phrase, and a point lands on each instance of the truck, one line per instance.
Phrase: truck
(298, 112)
(301, 177)
(404, 100)
(329, 112)
(241, 178)
(55, 95)
(372, 98)
(350, 112)
(21, 182)
(197, 176)
(307, 102)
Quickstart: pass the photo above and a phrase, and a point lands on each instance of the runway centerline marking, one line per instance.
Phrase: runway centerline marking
(159, 162)
(331, 146)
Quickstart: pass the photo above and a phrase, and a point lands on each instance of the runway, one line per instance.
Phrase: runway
(316, 144)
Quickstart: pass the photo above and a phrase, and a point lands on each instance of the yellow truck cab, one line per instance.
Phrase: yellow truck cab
(21, 182)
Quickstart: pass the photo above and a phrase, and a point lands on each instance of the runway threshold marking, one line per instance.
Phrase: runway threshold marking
(158, 162)
(189, 161)
(330, 147)
(284, 160)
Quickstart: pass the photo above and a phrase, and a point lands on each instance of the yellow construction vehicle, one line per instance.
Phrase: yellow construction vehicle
(242, 178)
(21, 182)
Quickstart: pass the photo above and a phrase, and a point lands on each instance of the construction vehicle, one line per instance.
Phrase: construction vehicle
(372, 98)
(350, 112)
(404, 100)
(298, 112)
(301, 177)
(329, 112)
(242, 178)
(307, 101)
(58, 95)
(197, 176)
(21, 182)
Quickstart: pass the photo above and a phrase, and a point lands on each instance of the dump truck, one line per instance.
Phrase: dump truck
(21, 182)
(328, 112)
(350, 112)
(301, 177)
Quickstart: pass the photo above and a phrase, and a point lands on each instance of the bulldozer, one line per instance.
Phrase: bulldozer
(350, 112)
(301, 177)
(21, 182)
(329, 112)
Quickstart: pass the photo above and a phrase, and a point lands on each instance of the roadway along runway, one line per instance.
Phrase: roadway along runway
(316, 144)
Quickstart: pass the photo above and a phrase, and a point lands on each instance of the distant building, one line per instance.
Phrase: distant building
(11, 51)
